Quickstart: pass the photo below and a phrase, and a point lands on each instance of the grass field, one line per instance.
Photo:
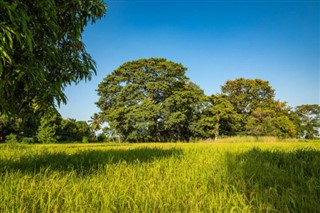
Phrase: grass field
(162, 177)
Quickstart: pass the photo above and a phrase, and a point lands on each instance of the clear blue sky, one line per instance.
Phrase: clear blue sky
(277, 41)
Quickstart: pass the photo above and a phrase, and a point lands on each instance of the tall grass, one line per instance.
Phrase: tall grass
(202, 177)
(252, 139)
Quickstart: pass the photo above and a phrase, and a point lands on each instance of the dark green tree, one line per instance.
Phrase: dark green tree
(9, 125)
(309, 115)
(149, 100)
(72, 130)
(260, 114)
(181, 111)
(218, 117)
(50, 126)
(248, 94)
(272, 119)
(41, 51)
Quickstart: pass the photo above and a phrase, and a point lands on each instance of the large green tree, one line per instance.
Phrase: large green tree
(267, 122)
(150, 100)
(73, 130)
(260, 114)
(41, 51)
(248, 94)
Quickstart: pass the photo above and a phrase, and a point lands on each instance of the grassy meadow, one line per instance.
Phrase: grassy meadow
(161, 177)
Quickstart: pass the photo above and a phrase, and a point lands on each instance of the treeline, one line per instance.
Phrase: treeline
(48, 128)
(152, 100)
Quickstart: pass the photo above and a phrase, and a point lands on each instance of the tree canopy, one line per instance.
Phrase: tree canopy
(149, 100)
(41, 51)
(248, 94)
(309, 115)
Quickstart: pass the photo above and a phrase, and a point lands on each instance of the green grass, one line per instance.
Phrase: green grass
(201, 177)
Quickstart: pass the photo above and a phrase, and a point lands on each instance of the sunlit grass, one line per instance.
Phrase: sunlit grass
(158, 177)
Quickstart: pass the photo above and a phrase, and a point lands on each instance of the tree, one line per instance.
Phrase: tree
(83, 130)
(149, 100)
(248, 94)
(181, 111)
(260, 114)
(309, 115)
(260, 123)
(49, 128)
(269, 122)
(217, 117)
(96, 120)
(9, 125)
(73, 130)
(111, 134)
(41, 51)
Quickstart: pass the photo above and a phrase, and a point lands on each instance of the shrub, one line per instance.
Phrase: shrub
(12, 138)
(85, 139)
(101, 137)
(28, 140)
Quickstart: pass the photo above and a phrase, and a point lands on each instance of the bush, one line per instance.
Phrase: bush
(12, 138)
(85, 139)
(28, 140)
(101, 137)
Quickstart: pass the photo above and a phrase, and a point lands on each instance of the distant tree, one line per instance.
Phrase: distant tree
(286, 127)
(269, 122)
(73, 130)
(41, 51)
(49, 128)
(180, 111)
(247, 95)
(260, 123)
(96, 120)
(9, 125)
(84, 130)
(260, 114)
(309, 115)
(149, 100)
(68, 130)
(111, 134)
(219, 116)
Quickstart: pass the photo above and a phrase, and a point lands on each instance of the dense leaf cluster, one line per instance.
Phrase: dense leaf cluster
(41, 51)
(49, 128)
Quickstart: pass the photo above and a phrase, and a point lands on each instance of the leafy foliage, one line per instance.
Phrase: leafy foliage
(8, 126)
(310, 119)
(260, 114)
(150, 100)
(49, 127)
(219, 116)
(248, 94)
(41, 51)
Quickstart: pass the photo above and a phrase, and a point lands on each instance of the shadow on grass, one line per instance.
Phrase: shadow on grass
(277, 180)
(85, 161)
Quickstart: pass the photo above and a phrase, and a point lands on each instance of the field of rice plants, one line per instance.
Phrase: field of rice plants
(161, 177)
